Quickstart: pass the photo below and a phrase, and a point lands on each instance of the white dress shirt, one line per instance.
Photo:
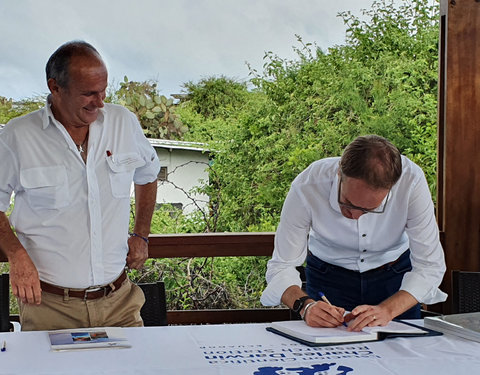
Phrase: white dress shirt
(72, 217)
(311, 218)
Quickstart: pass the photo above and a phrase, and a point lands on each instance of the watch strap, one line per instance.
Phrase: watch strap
(298, 304)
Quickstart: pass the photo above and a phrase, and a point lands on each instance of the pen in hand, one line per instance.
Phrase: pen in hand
(325, 299)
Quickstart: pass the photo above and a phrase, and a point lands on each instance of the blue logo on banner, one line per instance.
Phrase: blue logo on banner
(312, 370)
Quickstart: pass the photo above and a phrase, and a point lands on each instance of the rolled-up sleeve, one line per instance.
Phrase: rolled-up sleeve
(428, 261)
(290, 249)
(8, 178)
(149, 171)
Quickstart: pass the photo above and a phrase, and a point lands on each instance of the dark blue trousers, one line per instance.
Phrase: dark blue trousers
(348, 289)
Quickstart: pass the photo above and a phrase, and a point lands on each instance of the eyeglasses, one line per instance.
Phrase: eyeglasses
(378, 210)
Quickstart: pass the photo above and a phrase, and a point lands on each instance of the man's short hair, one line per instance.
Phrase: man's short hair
(373, 159)
(58, 64)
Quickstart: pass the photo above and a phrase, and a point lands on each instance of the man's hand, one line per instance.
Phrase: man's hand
(324, 315)
(137, 252)
(380, 315)
(24, 278)
(367, 316)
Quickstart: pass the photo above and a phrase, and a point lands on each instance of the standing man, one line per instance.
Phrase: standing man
(365, 224)
(71, 165)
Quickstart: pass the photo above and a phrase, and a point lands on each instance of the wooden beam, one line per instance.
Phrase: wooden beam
(211, 245)
(184, 317)
(207, 245)
(459, 129)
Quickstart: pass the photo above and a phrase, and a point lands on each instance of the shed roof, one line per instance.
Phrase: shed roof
(181, 145)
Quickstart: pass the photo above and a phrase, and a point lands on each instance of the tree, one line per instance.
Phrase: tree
(215, 96)
(10, 109)
(383, 80)
(155, 112)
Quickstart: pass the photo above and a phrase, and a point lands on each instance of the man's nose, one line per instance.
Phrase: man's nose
(99, 100)
(356, 214)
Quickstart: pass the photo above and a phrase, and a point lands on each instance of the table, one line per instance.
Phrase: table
(238, 349)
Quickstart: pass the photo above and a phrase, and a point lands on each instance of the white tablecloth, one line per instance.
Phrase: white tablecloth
(239, 349)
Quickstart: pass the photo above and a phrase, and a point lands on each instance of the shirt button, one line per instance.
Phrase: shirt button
(364, 250)
(362, 260)
(364, 235)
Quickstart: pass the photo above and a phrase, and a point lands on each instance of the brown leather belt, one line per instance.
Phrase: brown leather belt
(89, 293)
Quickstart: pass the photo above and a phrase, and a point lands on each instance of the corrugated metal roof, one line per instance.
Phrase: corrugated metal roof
(180, 145)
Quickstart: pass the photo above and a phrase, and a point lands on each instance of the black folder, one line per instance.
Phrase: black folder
(341, 340)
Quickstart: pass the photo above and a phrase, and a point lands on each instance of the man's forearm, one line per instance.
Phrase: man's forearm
(291, 294)
(9, 243)
(23, 273)
(398, 303)
(145, 199)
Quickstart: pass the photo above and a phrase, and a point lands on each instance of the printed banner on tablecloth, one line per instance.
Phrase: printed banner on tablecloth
(251, 350)
(288, 358)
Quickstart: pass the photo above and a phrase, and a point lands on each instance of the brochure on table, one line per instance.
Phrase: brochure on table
(88, 338)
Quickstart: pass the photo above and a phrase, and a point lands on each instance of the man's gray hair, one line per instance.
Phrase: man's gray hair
(58, 64)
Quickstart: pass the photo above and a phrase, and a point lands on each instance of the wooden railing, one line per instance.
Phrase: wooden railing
(214, 245)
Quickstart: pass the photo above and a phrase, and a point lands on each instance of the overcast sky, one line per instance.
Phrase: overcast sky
(172, 41)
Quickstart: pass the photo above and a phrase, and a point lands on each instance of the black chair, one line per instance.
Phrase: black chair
(5, 325)
(154, 311)
(465, 292)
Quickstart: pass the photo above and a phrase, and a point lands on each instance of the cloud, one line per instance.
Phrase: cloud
(169, 41)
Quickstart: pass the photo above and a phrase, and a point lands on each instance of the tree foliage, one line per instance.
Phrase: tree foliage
(10, 109)
(155, 112)
(383, 80)
(215, 96)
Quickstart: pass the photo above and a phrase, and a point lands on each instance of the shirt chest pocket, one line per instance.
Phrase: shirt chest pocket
(46, 187)
(121, 170)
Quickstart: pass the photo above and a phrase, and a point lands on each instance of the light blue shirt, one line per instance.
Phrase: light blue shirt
(72, 217)
(311, 218)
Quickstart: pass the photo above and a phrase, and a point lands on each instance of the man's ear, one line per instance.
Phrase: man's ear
(53, 86)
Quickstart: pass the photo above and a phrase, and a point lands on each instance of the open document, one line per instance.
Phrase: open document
(299, 331)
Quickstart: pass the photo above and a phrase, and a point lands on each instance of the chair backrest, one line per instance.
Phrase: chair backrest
(154, 311)
(4, 303)
(465, 292)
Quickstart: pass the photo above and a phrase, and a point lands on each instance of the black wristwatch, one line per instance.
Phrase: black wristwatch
(298, 304)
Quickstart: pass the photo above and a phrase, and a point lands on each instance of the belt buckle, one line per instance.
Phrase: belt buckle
(93, 289)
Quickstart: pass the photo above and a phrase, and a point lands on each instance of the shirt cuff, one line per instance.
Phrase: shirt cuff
(423, 291)
(4, 201)
(147, 173)
(272, 294)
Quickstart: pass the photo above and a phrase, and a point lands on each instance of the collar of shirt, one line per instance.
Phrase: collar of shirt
(48, 117)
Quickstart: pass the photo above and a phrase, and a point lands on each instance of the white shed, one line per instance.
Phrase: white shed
(183, 169)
